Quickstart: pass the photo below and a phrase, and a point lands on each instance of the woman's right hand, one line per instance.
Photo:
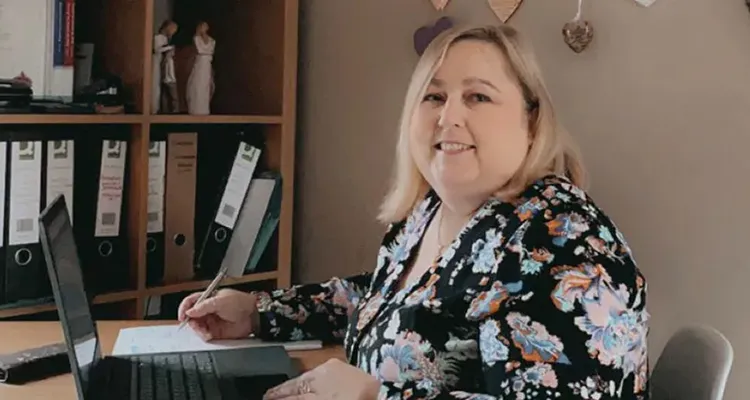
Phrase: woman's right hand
(230, 314)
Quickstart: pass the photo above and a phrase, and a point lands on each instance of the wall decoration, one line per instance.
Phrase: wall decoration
(578, 33)
(504, 9)
(439, 4)
(424, 35)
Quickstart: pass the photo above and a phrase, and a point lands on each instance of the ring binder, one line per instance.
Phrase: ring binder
(105, 248)
(26, 259)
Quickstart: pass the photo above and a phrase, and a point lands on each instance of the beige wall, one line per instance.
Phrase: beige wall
(660, 104)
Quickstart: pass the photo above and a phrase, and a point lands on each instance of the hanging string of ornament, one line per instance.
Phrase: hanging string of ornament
(578, 33)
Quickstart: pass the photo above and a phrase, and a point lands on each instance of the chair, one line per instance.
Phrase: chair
(694, 365)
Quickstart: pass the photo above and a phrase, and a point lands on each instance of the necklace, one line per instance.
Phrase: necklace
(441, 246)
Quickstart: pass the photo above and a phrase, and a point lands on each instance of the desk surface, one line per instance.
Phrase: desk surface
(16, 336)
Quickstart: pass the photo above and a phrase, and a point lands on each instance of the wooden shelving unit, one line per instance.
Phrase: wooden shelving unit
(138, 119)
(71, 119)
(255, 76)
(217, 119)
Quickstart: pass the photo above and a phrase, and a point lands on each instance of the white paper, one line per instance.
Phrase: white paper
(167, 338)
(239, 180)
(25, 192)
(27, 42)
(111, 182)
(26, 38)
(157, 159)
(60, 172)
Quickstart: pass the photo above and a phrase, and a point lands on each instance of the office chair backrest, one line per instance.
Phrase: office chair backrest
(694, 365)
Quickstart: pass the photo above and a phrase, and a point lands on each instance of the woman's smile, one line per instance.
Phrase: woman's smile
(454, 148)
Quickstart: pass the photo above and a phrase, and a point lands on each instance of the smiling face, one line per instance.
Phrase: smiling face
(470, 132)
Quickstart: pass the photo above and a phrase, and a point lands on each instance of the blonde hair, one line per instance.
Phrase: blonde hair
(551, 150)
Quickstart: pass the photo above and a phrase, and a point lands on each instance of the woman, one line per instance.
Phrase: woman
(200, 84)
(498, 277)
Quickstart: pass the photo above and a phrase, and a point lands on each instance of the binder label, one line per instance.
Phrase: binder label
(3, 166)
(60, 172)
(111, 182)
(25, 192)
(243, 168)
(157, 159)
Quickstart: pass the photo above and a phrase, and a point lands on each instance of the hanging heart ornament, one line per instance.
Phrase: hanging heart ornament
(439, 4)
(504, 9)
(578, 33)
(424, 35)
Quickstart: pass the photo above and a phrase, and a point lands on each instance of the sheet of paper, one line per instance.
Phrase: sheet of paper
(167, 338)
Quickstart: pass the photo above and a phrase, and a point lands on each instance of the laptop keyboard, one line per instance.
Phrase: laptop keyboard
(188, 376)
(177, 377)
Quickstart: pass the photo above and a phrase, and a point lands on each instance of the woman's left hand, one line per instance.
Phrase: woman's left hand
(333, 379)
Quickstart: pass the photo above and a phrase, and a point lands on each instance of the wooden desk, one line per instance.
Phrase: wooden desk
(16, 336)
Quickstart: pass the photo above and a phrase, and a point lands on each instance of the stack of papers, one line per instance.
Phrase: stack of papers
(168, 339)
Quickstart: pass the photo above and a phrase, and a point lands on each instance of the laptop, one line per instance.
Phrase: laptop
(240, 373)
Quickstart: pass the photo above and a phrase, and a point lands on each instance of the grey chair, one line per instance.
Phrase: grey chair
(694, 365)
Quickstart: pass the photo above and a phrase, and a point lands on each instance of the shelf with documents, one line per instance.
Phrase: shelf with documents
(202, 284)
(71, 119)
(47, 304)
(216, 119)
(255, 65)
(67, 119)
(33, 307)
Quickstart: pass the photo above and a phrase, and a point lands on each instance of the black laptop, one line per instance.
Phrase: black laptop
(220, 374)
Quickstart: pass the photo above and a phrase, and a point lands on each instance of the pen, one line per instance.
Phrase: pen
(210, 291)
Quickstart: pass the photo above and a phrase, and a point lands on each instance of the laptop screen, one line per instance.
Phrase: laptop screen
(64, 267)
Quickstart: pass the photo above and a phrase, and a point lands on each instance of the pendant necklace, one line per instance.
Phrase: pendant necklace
(441, 246)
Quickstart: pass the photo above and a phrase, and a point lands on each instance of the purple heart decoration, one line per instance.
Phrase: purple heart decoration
(426, 34)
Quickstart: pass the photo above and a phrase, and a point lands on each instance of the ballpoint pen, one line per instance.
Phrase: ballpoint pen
(209, 292)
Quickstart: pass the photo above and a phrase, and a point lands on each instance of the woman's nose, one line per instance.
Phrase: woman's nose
(452, 114)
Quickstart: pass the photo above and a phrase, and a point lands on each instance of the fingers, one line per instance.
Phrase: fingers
(186, 304)
(201, 329)
(209, 327)
(205, 307)
(216, 327)
(298, 388)
(306, 396)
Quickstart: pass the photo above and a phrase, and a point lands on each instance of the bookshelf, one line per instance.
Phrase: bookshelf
(255, 66)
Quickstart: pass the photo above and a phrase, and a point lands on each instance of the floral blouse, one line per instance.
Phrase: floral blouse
(536, 299)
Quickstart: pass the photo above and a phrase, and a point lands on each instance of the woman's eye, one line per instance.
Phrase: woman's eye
(432, 97)
(479, 97)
